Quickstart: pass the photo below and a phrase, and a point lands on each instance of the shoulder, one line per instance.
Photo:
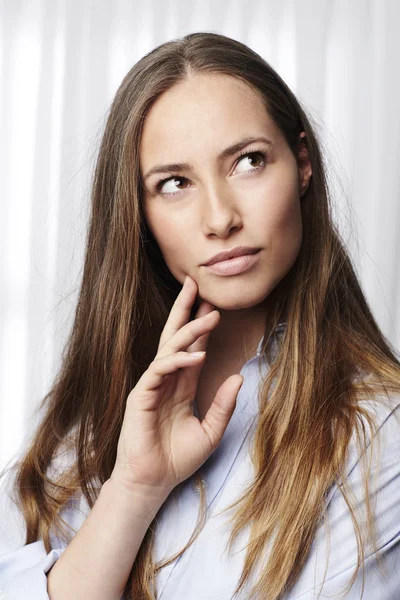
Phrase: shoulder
(376, 462)
(12, 524)
(12, 521)
(383, 440)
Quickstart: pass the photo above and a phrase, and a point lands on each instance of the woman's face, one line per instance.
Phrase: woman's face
(218, 202)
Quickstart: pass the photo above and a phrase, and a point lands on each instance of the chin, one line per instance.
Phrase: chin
(236, 301)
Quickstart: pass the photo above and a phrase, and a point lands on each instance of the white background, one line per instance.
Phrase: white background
(61, 62)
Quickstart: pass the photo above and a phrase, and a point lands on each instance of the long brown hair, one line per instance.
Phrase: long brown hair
(331, 356)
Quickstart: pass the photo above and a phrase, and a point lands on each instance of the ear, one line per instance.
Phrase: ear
(304, 165)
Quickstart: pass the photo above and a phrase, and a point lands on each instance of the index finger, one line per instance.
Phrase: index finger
(180, 311)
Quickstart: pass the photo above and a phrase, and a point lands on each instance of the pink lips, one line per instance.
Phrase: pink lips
(232, 253)
(234, 266)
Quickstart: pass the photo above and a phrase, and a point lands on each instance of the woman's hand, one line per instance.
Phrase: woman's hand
(162, 442)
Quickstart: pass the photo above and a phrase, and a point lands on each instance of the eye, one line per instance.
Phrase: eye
(172, 179)
(261, 156)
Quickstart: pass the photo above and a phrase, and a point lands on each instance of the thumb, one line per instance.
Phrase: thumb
(221, 410)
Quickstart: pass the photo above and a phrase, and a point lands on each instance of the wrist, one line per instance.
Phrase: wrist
(144, 500)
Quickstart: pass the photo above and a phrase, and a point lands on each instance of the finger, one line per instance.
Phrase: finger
(201, 342)
(160, 367)
(190, 333)
(204, 308)
(221, 410)
(180, 312)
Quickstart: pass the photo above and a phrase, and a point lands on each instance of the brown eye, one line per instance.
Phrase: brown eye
(173, 179)
(258, 157)
(254, 157)
(257, 161)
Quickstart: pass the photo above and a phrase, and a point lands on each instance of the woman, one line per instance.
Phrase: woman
(290, 414)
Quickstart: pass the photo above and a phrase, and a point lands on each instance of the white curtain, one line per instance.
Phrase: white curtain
(61, 62)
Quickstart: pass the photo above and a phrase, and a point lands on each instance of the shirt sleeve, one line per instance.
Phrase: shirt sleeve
(335, 555)
(23, 572)
(23, 568)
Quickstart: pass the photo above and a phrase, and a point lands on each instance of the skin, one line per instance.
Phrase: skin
(219, 205)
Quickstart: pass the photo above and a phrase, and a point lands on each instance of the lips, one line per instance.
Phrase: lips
(233, 253)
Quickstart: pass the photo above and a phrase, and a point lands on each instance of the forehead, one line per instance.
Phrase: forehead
(203, 112)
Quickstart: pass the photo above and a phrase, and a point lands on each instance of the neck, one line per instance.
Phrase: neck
(238, 333)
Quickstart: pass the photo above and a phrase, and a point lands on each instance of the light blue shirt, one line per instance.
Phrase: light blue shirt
(205, 571)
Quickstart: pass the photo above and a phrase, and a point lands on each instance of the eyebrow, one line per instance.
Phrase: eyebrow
(230, 151)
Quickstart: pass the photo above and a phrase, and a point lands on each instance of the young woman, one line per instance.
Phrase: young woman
(267, 466)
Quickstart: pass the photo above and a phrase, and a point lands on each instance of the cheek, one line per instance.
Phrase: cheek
(170, 235)
(282, 225)
(288, 235)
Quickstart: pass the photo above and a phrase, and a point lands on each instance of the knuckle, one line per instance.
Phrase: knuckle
(156, 361)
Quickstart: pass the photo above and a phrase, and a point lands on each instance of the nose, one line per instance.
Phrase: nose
(220, 210)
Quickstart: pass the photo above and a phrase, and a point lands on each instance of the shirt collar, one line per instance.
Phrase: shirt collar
(277, 331)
